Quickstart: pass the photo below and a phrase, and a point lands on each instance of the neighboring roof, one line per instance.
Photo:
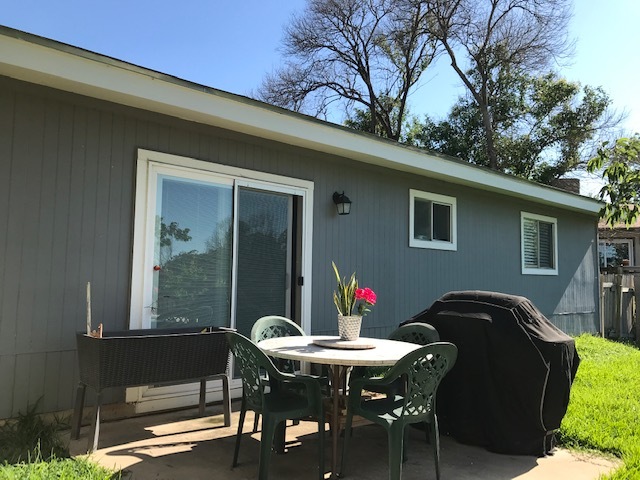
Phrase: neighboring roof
(46, 62)
(635, 226)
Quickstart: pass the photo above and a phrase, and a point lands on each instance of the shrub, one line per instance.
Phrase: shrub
(29, 436)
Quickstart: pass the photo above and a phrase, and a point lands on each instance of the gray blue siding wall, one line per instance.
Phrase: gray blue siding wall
(373, 239)
(67, 176)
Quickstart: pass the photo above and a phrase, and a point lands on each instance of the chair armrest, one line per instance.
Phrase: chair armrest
(312, 385)
(357, 384)
(294, 377)
(312, 381)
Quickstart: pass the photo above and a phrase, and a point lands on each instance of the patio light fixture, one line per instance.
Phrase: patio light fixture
(343, 204)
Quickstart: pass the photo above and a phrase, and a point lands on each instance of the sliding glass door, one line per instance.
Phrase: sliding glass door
(215, 245)
(219, 251)
(264, 253)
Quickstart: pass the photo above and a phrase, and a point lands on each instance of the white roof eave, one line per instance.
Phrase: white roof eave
(46, 62)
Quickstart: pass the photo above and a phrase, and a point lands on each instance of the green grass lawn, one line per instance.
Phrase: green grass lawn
(54, 468)
(604, 411)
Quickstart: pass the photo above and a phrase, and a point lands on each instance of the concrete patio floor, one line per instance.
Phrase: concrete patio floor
(180, 445)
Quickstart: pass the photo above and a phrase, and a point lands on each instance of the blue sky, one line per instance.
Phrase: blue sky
(230, 45)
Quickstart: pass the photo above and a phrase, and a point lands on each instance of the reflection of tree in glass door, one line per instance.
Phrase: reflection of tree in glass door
(192, 255)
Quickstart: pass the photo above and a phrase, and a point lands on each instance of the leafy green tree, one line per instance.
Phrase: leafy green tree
(542, 126)
(620, 167)
(168, 234)
(497, 37)
(193, 284)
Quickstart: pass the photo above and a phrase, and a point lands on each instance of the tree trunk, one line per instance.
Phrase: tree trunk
(492, 155)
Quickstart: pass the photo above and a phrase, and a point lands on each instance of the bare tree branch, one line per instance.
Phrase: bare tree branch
(366, 55)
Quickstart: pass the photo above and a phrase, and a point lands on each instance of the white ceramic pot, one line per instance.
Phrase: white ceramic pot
(349, 326)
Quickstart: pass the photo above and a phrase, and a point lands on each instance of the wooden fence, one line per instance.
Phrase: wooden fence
(619, 300)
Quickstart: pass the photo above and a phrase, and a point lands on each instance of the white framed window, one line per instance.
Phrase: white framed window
(539, 238)
(432, 221)
(616, 252)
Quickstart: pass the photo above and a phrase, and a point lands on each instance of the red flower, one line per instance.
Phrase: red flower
(367, 295)
(370, 297)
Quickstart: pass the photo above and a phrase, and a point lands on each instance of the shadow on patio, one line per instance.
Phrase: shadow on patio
(178, 445)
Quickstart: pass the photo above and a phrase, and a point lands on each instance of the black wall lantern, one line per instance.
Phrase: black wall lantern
(343, 204)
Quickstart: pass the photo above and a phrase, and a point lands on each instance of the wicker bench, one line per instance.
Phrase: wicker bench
(135, 358)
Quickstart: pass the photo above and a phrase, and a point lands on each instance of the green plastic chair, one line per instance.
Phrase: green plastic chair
(275, 404)
(422, 371)
(273, 326)
(418, 333)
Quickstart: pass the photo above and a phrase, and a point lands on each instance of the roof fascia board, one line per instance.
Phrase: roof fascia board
(68, 68)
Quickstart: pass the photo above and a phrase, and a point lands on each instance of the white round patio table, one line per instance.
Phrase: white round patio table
(379, 352)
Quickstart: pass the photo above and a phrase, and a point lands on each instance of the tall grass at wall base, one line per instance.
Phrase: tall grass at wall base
(32, 448)
(30, 436)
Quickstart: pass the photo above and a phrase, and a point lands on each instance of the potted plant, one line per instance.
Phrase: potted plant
(347, 297)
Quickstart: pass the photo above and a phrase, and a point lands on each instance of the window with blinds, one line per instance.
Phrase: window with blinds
(539, 244)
